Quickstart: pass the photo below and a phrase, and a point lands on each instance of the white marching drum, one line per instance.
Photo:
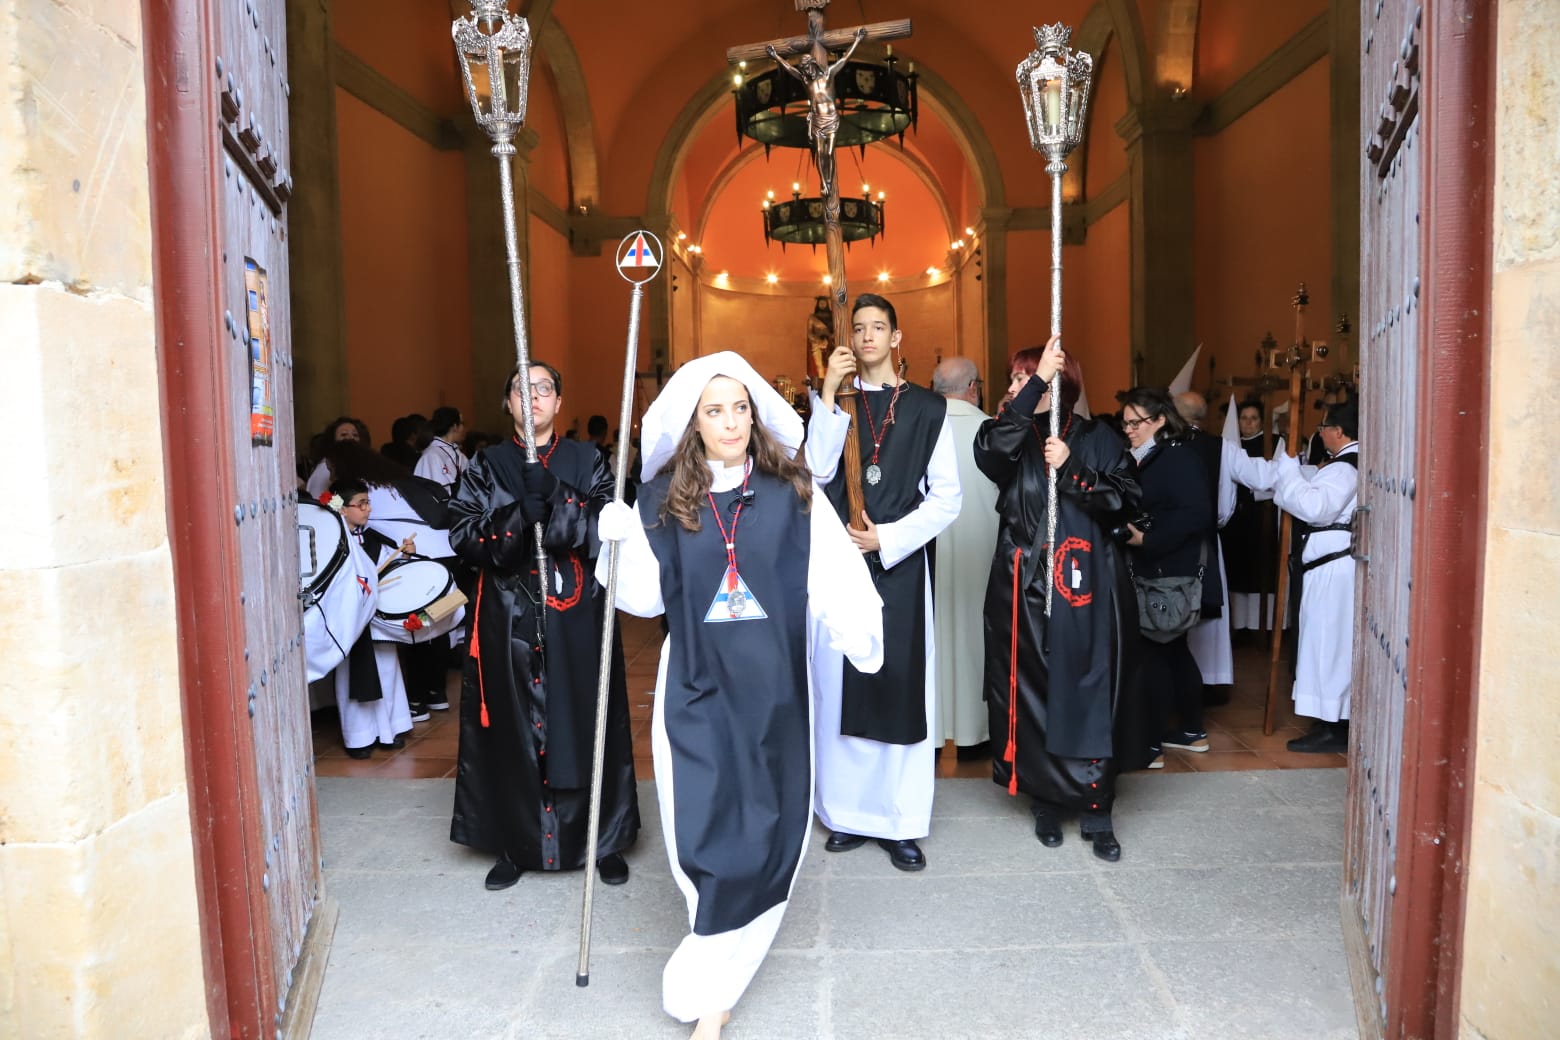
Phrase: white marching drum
(337, 588)
(418, 602)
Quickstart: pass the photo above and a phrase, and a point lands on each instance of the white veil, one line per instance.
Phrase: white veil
(665, 421)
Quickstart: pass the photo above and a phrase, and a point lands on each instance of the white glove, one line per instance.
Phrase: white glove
(1286, 465)
(616, 522)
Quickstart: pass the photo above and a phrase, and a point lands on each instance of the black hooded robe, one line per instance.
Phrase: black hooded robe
(522, 783)
(1074, 722)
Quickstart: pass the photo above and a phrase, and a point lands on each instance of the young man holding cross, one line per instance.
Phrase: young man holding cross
(875, 751)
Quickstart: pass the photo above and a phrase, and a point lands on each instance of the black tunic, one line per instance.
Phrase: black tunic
(522, 781)
(1250, 536)
(1076, 721)
(890, 705)
(735, 704)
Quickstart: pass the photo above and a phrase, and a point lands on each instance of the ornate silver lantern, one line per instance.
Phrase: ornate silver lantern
(490, 40)
(1054, 82)
(494, 48)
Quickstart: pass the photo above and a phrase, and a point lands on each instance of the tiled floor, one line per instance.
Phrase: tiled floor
(1234, 730)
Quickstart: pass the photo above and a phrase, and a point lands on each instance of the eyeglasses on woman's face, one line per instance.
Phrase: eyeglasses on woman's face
(1132, 424)
(540, 388)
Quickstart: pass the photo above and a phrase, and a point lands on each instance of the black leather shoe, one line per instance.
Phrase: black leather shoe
(361, 752)
(1324, 738)
(839, 841)
(1048, 830)
(905, 854)
(612, 869)
(503, 875)
(1106, 847)
(395, 745)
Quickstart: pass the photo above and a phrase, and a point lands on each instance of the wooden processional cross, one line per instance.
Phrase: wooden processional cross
(823, 121)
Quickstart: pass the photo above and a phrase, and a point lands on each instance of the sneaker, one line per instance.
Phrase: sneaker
(419, 711)
(1158, 761)
(439, 703)
(1186, 740)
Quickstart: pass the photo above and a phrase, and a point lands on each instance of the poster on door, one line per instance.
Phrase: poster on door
(262, 404)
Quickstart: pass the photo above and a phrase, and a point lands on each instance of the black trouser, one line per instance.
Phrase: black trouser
(422, 666)
(1173, 684)
(1090, 821)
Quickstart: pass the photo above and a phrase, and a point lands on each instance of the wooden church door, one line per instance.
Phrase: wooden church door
(1424, 208)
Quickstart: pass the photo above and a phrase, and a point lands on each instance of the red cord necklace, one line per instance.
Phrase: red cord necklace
(874, 472)
(544, 459)
(736, 599)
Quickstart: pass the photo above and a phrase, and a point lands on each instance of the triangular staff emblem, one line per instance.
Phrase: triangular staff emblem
(639, 255)
(738, 604)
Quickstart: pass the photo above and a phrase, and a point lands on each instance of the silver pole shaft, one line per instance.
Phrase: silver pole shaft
(1055, 169)
(608, 619)
(504, 151)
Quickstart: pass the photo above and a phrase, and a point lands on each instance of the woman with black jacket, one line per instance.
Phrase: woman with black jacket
(1168, 542)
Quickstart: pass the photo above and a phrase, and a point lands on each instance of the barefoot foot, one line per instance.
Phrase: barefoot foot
(709, 1026)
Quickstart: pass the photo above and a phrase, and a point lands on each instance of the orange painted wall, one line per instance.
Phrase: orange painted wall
(1234, 35)
(403, 245)
(407, 41)
(548, 165)
(1103, 317)
(1107, 154)
(1263, 215)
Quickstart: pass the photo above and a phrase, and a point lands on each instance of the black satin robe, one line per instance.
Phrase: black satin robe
(1075, 723)
(522, 783)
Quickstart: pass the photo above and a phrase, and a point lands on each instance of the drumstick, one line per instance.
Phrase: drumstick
(389, 560)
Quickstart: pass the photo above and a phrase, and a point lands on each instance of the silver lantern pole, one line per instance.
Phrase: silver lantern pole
(1054, 82)
(639, 259)
(494, 48)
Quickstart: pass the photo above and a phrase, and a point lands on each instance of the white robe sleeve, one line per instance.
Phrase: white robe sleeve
(1227, 496)
(826, 431)
(318, 482)
(1320, 499)
(938, 509)
(841, 598)
(1258, 474)
(639, 573)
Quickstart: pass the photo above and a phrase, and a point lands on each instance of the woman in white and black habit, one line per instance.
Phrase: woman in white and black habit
(732, 540)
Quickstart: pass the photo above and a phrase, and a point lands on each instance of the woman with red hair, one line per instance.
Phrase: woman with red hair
(1055, 686)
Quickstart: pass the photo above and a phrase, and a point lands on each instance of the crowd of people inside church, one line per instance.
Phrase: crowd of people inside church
(809, 667)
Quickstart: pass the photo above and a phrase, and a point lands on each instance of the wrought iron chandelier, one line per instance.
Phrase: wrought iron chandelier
(798, 221)
(875, 101)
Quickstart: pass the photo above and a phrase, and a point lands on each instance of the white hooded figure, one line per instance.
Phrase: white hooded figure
(734, 543)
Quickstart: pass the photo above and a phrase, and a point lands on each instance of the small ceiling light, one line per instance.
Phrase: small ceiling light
(771, 193)
(723, 277)
(933, 272)
(883, 276)
(681, 235)
(970, 232)
(866, 189)
(766, 203)
(828, 279)
(772, 278)
(882, 195)
(736, 79)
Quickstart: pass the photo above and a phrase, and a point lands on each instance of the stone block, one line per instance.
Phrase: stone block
(77, 187)
(1263, 990)
(82, 371)
(1524, 478)
(1510, 976)
(96, 668)
(1518, 661)
(1527, 93)
(87, 919)
(1258, 902)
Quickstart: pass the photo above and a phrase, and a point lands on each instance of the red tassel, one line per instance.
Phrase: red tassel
(476, 651)
(1011, 753)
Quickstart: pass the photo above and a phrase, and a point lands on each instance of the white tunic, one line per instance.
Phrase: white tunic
(1209, 640)
(964, 553)
(707, 974)
(1325, 658)
(441, 462)
(365, 722)
(865, 786)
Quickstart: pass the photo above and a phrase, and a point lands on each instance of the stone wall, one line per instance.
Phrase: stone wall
(98, 928)
(1511, 974)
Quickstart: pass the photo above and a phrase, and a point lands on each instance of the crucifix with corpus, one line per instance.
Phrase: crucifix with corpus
(823, 121)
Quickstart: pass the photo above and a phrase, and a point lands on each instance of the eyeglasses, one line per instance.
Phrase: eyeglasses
(977, 382)
(357, 504)
(544, 388)
(1132, 424)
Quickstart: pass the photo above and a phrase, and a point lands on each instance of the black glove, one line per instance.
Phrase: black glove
(533, 509)
(1028, 398)
(537, 480)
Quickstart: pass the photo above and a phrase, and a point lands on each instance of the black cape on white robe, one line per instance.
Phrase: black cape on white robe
(522, 783)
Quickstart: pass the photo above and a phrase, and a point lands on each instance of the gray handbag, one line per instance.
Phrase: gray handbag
(1170, 607)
